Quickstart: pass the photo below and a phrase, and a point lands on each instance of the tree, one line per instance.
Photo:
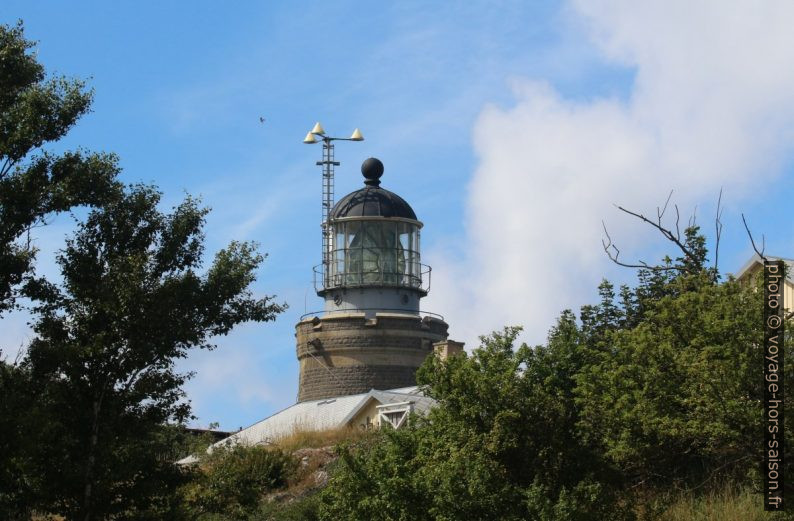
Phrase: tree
(501, 444)
(131, 303)
(35, 183)
(677, 398)
(674, 396)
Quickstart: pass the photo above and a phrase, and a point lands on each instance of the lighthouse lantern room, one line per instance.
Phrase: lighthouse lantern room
(373, 263)
(371, 333)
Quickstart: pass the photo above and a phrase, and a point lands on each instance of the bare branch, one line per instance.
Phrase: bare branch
(693, 220)
(673, 235)
(763, 240)
(613, 253)
(661, 214)
(675, 239)
(718, 226)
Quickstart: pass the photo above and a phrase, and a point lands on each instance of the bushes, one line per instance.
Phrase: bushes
(232, 480)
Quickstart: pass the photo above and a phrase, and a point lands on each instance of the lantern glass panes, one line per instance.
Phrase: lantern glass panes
(374, 252)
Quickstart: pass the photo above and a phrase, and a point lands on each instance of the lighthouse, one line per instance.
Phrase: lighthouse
(371, 333)
(358, 356)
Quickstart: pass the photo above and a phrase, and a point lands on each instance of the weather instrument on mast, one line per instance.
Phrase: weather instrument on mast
(328, 165)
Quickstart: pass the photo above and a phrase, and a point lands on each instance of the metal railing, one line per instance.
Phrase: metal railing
(421, 314)
(375, 276)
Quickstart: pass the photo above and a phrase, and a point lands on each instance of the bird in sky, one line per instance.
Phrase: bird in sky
(261, 119)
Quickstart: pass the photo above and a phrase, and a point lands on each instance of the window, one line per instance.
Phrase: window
(375, 252)
(395, 414)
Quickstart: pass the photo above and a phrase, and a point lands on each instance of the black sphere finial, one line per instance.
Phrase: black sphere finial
(372, 169)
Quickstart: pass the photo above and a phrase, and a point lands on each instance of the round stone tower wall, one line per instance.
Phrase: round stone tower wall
(343, 354)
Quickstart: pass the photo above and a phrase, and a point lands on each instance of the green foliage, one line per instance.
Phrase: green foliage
(679, 395)
(102, 362)
(85, 416)
(500, 445)
(673, 396)
(34, 183)
(232, 480)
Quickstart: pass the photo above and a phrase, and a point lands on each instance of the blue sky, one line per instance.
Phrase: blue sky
(511, 128)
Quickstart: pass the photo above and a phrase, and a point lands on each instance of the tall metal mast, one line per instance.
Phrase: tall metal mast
(328, 165)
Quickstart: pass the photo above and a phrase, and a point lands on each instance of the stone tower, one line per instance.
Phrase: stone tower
(371, 334)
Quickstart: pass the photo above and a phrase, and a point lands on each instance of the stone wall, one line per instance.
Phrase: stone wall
(342, 354)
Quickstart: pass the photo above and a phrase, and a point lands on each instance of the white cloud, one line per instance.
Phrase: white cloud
(712, 106)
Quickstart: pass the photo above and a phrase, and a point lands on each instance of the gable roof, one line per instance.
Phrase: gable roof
(316, 415)
(756, 259)
(422, 403)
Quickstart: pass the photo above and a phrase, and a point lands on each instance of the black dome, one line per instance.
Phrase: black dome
(372, 200)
